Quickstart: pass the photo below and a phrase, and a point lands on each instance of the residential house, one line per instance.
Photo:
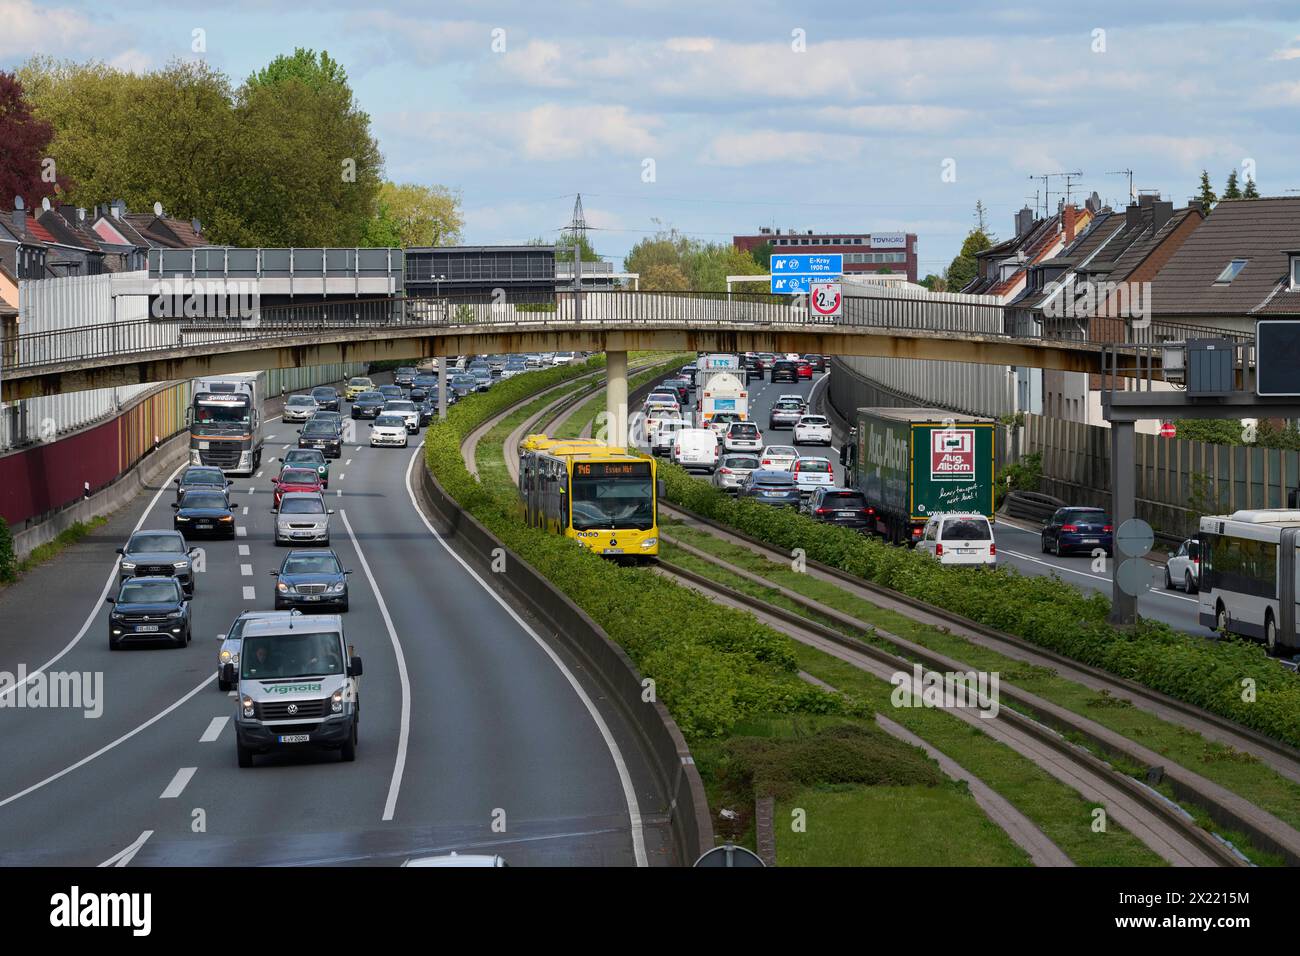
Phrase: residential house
(1003, 268)
(74, 250)
(24, 244)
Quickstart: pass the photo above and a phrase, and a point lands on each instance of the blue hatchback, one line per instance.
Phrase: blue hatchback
(1078, 529)
(769, 487)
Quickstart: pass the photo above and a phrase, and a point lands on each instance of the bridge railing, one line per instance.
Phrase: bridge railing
(92, 343)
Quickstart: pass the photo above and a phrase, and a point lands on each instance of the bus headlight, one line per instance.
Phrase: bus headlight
(649, 542)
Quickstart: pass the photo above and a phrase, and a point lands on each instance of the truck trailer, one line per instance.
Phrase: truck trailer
(911, 463)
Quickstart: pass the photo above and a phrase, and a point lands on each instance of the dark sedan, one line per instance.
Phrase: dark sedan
(428, 409)
(201, 476)
(205, 512)
(462, 385)
(818, 362)
(785, 370)
(842, 506)
(771, 488)
(1078, 529)
(423, 387)
(158, 554)
(327, 398)
(391, 392)
(311, 579)
(323, 435)
(368, 405)
(149, 609)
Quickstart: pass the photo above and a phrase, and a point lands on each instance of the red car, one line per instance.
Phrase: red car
(803, 369)
(296, 479)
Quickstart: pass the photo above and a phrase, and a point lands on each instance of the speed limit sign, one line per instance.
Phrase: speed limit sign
(826, 299)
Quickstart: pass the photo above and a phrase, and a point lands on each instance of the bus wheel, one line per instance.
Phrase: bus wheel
(1221, 619)
(1270, 634)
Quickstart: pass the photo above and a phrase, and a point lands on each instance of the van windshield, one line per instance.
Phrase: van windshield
(299, 654)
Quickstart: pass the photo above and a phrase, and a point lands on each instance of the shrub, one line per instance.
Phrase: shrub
(8, 558)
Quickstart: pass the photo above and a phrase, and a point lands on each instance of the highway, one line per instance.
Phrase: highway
(1018, 545)
(476, 735)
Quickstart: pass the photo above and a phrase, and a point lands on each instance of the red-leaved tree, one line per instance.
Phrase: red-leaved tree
(24, 141)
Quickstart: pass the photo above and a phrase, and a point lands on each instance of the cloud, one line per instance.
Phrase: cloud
(901, 117)
(26, 29)
(760, 147)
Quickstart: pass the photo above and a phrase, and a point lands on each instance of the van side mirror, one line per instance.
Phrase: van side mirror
(354, 667)
(228, 673)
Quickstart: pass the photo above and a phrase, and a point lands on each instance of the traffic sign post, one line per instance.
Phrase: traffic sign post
(825, 299)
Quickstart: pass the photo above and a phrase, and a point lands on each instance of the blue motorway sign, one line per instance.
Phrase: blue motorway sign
(790, 285)
(831, 264)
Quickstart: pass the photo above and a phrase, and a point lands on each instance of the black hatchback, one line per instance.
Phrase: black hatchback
(785, 370)
(841, 506)
(326, 398)
(201, 476)
(1078, 529)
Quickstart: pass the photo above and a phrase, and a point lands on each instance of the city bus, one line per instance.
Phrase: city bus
(1249, 575)
(604, 498)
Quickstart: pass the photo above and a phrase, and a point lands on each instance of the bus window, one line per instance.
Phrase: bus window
(612, 495)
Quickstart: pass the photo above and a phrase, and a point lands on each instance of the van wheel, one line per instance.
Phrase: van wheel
(243, 755)
(349, 750)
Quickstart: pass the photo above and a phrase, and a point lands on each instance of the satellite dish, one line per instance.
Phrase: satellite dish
(157, 209)
(45, 203)
(18, 203)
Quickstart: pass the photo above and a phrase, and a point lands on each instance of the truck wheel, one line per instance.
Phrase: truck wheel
(243, 755)
(349, 750)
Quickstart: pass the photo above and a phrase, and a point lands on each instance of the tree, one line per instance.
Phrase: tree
(762, 254)
(935, 283)
(24, 144)
(1251, 191)
(304, 66)
(422, 215)
(670, 262)
(1232, 190)
(965, 267)
(382, 229)
(1206, 195)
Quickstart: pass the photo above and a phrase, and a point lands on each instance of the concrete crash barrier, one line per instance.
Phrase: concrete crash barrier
(670, 757)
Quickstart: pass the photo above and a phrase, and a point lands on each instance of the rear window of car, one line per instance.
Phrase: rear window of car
(966, 529)
(812, 420)
(774, 483)
(744, 430)
(814, 465)
(844, 499)
(1086, 517)
(750, 463)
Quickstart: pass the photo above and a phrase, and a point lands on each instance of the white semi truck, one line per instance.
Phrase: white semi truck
(225, 420)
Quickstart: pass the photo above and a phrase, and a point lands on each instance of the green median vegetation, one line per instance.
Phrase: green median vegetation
(12, 569)
(1234, 679)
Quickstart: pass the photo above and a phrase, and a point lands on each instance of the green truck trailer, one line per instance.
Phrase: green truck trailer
(911, 463)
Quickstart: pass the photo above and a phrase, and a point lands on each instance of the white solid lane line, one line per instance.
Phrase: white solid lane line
(250, 593)
(125, 856)
(107, 747)
(215, 727)
(624, 775)
(94, 611)
(177, 786)
(399, 765)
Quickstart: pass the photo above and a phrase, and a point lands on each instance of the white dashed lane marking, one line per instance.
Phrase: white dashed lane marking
(174, 789)
(214, 730)
(250, 593)
(243, 550)
(246, 570)
(240, 531)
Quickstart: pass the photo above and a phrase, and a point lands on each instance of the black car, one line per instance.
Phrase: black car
(326, 436)
(327, 398)
(311, 579)
(423, 387)
(147, 610)
(368, 405)
(428, 409)
(391, 392)
(201, 476)
(785, 370)
(404, 376)
(818, 362)
(204, 511)
(157, 554)
(681, 387)
(688, 372)
(1077, 529)
(753, 368)
(841, 506)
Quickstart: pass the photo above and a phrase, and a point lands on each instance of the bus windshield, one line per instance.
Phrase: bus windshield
(612, 495)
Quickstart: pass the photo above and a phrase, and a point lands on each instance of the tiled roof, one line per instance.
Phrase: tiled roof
(35, 231)
(1257, 230)
(165, 232)
(64, 233)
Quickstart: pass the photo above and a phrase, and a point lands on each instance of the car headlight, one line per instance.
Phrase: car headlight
(336, 702)
(175, 564)
(649, 542)
(173, 614)
(282, 587)
(182, 518)
(223, 518)
(128, 566)
(337, 588)
(248, 707)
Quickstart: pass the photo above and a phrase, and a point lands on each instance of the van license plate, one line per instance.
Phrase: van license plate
(294, 738)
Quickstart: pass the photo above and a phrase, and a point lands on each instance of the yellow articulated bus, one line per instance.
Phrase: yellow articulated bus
(605, 498)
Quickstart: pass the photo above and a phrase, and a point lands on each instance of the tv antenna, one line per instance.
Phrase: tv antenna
(1047, 191)
(1132, 196)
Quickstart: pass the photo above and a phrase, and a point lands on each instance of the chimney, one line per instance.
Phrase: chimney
(20, 220)
(1132, 216)
(119, 208)
(1197, 205)
(1161, 212)
(1068, 215)
(1024, 221)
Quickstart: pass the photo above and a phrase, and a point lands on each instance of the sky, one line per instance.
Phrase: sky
(718, 118)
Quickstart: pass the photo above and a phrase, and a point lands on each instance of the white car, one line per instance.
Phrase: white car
(563, 358)
(666, 429)
(388, 430)
(812, 430)
(812, 473)
(696, 448)
(779, 458)
(959, 539)
(742, 436)
(1183, 569)
(655, 414)
(408, 411)
(299, 408)
(663, 398)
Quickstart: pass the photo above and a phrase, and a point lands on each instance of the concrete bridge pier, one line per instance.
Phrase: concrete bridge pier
(440, 365)
(616, 398)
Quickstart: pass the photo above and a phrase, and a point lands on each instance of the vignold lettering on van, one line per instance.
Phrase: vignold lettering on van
(290, 688)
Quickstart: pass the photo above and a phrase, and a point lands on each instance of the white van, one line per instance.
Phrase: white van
(696, 448)
(959, 539)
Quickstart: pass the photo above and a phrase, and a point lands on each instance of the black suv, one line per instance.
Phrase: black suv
(784, 369)
(149, 609)
(326, 435)
(841, 506)
(753, 368)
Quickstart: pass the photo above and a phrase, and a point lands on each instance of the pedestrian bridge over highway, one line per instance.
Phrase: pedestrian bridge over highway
(388, 328)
